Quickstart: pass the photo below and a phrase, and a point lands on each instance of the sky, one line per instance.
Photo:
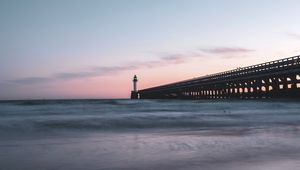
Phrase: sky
(90, 49)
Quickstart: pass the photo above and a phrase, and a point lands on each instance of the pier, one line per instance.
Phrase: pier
(274, 79)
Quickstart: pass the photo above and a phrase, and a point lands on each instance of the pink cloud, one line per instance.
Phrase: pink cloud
(108, 70)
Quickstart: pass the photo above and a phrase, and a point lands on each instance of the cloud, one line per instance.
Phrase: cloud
(163, 60)
(166, 60)
(294, 35)
(31, 80)
(108, 70)
(176, 59)
(94, 71)
(227, 50)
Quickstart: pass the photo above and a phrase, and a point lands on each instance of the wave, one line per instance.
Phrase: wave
(145, 122)
(28, 116)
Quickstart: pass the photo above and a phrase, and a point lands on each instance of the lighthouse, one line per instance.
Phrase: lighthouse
(134, 83)
(134, 93)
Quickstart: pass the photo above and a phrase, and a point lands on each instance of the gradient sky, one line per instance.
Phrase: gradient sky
(92, 48)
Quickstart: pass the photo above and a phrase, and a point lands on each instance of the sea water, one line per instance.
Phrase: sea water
(150, 135)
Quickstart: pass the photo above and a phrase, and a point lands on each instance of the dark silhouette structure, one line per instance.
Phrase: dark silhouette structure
(275, 79)
(134, 93)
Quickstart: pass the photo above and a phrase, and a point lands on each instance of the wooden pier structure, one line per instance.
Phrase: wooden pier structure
(275, 79)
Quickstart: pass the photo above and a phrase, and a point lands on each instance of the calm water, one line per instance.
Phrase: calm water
(150, 134)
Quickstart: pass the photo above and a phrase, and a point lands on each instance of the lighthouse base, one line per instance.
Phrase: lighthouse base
(134, 95)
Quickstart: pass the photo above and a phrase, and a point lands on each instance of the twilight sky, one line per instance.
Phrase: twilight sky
(92, 48)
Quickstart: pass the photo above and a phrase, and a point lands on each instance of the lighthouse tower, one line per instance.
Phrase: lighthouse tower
(134, 83)
(134, 93)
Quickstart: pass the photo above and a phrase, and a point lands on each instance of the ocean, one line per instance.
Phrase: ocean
(150, 135)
